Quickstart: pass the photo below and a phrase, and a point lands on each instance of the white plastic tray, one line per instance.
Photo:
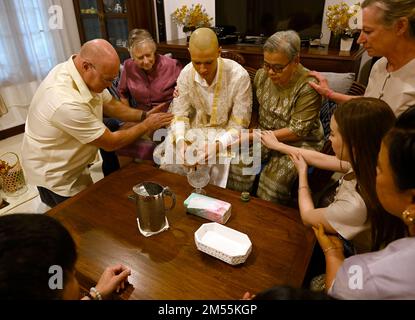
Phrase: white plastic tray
(223, 243)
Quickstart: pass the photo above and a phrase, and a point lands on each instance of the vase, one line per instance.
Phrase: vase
(346, 44)
(188, 31)
(335, 41)
(188, 34)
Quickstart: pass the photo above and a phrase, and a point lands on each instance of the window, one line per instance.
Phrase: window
(26, 43)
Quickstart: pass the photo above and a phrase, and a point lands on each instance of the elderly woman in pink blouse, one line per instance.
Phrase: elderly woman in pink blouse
(148, 79)
(147, 82)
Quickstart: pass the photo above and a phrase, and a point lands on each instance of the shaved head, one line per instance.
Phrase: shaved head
(204, 52)
(99, 52)
(203, 39)
(98, 64)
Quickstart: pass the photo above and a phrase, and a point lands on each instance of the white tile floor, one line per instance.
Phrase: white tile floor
(34, 205)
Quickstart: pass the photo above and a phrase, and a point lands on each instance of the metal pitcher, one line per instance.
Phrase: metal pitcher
(149, 200)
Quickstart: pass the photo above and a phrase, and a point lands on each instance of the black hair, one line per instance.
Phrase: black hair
(29, 245)
(400, 141)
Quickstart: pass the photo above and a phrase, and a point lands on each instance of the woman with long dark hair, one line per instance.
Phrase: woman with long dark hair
(357, 128)
(385, 274)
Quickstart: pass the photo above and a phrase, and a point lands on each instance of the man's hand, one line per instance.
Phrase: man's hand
(158, 120)
(162, 107)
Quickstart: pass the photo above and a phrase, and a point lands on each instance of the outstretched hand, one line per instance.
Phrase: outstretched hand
(113, 279)
(158, 120)
(162, 107)
(323, 86)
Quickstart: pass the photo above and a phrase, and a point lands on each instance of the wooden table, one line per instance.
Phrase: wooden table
(168, 266)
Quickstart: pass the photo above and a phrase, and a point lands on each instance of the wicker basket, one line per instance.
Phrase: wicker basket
(12, 179)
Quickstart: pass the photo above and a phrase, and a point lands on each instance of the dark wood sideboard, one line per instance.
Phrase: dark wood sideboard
(313, 58)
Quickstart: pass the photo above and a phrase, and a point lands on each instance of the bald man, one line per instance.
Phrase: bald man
(214, 94)
(64, 127)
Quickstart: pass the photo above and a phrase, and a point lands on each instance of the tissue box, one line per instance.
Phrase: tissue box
(208, 208)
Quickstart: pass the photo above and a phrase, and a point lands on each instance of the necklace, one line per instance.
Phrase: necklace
(384, 84)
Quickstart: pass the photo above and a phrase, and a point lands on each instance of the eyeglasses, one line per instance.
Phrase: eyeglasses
(108, 80)
(276, 68)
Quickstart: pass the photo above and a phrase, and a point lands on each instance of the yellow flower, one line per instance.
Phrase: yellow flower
(192, 18)
(338, 17)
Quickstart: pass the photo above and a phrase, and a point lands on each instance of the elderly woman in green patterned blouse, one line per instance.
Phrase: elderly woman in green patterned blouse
(290, 108)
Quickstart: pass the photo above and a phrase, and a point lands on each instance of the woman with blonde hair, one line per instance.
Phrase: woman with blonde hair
(388, 32)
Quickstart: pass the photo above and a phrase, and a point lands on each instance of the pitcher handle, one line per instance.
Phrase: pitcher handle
(168, 192)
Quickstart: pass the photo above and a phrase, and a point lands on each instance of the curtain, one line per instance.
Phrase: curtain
(33, 39)
(3, 107)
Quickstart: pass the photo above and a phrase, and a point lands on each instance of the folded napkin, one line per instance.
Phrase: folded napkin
(149, 233)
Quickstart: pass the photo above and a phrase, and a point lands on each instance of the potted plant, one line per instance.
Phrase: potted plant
(342, 21)
(191, 18)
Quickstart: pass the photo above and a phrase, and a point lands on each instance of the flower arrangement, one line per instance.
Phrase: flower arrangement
(191, 18)
(338, 18)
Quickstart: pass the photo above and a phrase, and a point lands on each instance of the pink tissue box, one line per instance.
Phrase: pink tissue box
(208, 208)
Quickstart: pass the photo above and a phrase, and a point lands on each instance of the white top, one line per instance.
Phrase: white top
(396, 88)
(219, 110)
(64, 116)
(385, 274)
(225, 104)
(348, 215)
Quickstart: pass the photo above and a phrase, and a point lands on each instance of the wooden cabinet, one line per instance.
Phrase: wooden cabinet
(320, 59)
(113, 20)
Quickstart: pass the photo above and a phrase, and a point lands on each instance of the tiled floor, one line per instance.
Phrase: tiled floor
(34, 205)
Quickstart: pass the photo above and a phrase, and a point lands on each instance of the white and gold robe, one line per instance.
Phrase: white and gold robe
(225, 106)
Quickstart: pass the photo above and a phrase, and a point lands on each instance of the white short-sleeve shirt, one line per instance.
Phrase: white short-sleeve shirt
(348, 214)
(64, 116)
(396, 88)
